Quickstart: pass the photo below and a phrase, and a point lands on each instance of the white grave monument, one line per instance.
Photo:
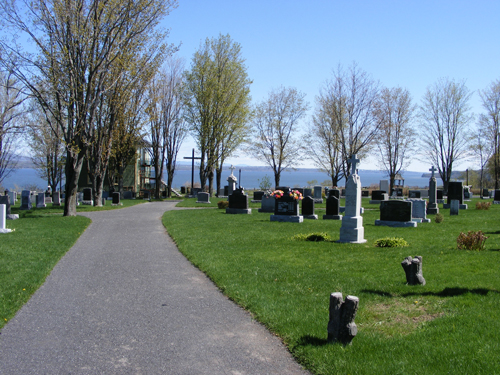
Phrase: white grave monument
(3, 214)
(231, 181)
(352, 229)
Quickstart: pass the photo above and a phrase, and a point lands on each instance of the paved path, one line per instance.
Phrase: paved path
(123, 300)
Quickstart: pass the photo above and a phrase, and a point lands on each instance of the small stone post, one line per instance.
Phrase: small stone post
(3, 214)
(341, 326)
(413, 270)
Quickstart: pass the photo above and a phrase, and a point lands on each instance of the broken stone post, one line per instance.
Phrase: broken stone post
(413, 270)
(341, 326)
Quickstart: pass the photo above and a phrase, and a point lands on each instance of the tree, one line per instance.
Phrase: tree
(490, 125)
(348, 100)
(481, 147)
(275, 124)
(217, 97)
(445, 118)
(395, 140)
(11, 125)
(79, 45)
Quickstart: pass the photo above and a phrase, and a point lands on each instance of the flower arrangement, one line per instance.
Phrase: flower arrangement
(277, 194)
(297, 195)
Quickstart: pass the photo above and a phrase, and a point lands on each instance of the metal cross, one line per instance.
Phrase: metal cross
(354, 161)
(432, 170)
(193, 158)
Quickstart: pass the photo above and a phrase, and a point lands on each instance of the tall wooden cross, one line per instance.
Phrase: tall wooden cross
(354, 163)
(192, 157)
(432, 170)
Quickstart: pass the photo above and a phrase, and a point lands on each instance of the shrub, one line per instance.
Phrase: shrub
(472, 240)
(483, 205)
(439, 218)
(391, 242)
(223, 204)
(316, 237)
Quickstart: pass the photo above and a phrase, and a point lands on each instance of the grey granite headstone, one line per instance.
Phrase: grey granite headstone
(56, 198)
(317, 194)
(414, 194)
(308, 192)
(40, 200)
(26, 200)
(384, 185)
(419, 213)
(267, 204)
(379, 196)
(454, 207)
(203, 198)
(3, 219)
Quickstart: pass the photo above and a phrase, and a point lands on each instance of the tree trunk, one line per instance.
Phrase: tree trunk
(73, 168)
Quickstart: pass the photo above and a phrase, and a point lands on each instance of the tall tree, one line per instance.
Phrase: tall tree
(491, 122)
(12, 110)
(445, 118)
(79, 45)
(217, 99)
(396, 137)
(275, 127)
(482, 148)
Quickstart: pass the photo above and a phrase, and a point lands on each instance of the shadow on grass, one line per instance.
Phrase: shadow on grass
(497, 232)
(446, 292)
(309, 340)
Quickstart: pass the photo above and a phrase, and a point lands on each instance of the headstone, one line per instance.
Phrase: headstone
(5, 200)
(221, 193)
(48, 199)
(257, 195)
(424, 193)
(352, 230)
(440, 194)
(127, 194)
(183, 190)
(414, 194)
(286, 209)
(3, 219)
(238, 203)
(116, 198)
(342, 192)
(194, 191)
(317, 194)
(203, 198)
(396, 213)
(341, 326)
(332, 208)
(454, 207)
(226, 191)
(26, 200)
(467, 193)
(456, 192)
(379, 196)
(40, 200)
(418, 211)
(87, 197)
(147, 194)
(432, 207)
(308, 208)
(365, 193)
(231, 183)
(384, 185)
(413, 270)
(267, 204)
(496, 197)
(397, 193)
(334, 193)
(56, 198)
(308, 192)
(12, 197)
(485, 194)
(105, 194)
(34, 198)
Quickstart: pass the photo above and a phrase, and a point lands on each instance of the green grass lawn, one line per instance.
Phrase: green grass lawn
(450, 325)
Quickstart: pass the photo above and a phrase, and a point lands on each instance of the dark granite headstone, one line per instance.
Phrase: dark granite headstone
(284, 189)
(308, 206)
(365, 193)
(398, 192)
(343, 192)
(378, 195)
(4, 199)
(486, 193)
(395, 210)
(308, 192)
(183, 190)
(334, 193)
(496, 197)
(414, 194)
(238, 199)
(257, 195)
(332, 205)
(455, 192)
(146, 194)
(439, 194)
(286, 206)
(26, 200)
(128, 194)
(116, 198)
(226, 191)
(87, 194)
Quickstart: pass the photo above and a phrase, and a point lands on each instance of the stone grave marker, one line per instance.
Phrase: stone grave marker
(379, 196)
(56, 201)
(496, 197)
(334, 193)
(414, 194)
(332, 208)
(127, 194)
(308, 208)
(455, 192)
(220, 193)
(341, 326)
(432, 207)
(231, 183)
(267, 204)
(238, 203)
(203, 198)
(87, 197)
(12, 197)
(3, 219)
(40, 200)
(413, 270)
(418, 213)
(396, 213)
(115, 199)
(286, 208)
(257, 196)
(308, 192)
(26, 200)
(352, 230)
(384, 185)
(454, 207)
(467, 193)
(397, 193)
(5, 200)
(317, 194)
(485, 194)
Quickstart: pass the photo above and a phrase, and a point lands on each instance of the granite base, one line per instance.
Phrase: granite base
(312, 217)
(287, 218)
(332, 217)
(238, 211)
(396, 224)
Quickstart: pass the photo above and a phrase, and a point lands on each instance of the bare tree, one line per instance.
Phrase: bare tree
(445, 116)
(481, 146)
(396, 137)
(491, 121)
(275, 126)
(80, 44)
(11, 125)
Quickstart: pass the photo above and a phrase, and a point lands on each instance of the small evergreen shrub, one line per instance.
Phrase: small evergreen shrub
(439, 218)
(483, 205)
(472, 240)
(316, 237)
(222, 204)
(391, 242)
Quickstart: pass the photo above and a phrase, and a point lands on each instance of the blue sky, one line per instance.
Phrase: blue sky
(399, 43)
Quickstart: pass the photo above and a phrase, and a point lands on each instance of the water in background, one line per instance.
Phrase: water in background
(250, 177)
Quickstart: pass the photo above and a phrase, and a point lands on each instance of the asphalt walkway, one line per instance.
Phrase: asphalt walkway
(123, 300)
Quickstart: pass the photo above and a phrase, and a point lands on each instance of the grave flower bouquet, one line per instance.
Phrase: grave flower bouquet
(277, 194)
(297, 195)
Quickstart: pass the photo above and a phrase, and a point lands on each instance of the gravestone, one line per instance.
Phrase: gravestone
(221, 193)
(48, 199)
(352, 230)
(147, 194)
(5, 200)
(397, 193)
(414, 194)
(40, 200)
(238, 203)
(365, 193)
(267, 204)
(56, 198)
(26, 200)
(440, 194)
(87, 196)
(308, 192)
(413, 270)
(485, 194)
(454, 207)
(384, 186)
(226, 191)
(396, 213)
(432, 207)
(12, 197)
(231, 183)
(105, 194)
(183, 190)
(467, 193)
(317, 194)
(127, 194)
(332, 207)
(286, 209)
(418, 211)
(115, 199)
(342, 192)
(379, 196)
(455, 192)
(496, 197)
(257, 195)
(341, 326)
(203, 198)
(3, 219)
(308, 208)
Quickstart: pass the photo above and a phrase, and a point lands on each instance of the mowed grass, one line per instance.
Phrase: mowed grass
(28, 254)
(450, 325)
